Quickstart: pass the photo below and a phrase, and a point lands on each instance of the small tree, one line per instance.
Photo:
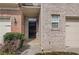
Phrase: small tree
(21, 37)
(15, 36)
(11, 40)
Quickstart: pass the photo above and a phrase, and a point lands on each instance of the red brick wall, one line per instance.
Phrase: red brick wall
(18, 16)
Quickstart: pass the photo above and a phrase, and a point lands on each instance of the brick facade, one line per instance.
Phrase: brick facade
(50, 39)
(17, 14)
(55, 39)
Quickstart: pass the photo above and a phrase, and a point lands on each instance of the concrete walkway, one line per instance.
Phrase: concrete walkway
(33, 49)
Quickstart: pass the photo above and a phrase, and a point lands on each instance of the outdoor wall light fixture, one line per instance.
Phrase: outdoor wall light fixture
(14, 20)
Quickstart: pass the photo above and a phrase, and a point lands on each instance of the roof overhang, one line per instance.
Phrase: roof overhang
(8, 5)
(31, 11)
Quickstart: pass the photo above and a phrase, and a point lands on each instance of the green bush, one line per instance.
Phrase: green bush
(15, 36)
(21, 37)
(13, 41)
(9, 36)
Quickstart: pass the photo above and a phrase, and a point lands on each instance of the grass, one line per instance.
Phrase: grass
(57, 53)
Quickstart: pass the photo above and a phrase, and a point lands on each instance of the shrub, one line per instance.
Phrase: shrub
(9, 36)
(12, 42)
(15, 36)
(21, 37)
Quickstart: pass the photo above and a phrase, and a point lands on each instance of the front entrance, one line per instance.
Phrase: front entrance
(32, 28)
(72, 32)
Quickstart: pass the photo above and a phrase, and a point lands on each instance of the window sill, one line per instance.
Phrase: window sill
(55, 29)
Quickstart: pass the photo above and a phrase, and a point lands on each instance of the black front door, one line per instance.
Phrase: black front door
(32, 29)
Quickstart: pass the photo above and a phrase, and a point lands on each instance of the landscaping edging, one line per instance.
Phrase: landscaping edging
(57, 53)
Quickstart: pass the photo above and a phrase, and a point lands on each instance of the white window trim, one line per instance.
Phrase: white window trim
(55, 21)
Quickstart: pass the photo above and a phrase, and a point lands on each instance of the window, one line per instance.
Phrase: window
(55, 21)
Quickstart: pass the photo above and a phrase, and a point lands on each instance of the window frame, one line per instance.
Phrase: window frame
(55, 23)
